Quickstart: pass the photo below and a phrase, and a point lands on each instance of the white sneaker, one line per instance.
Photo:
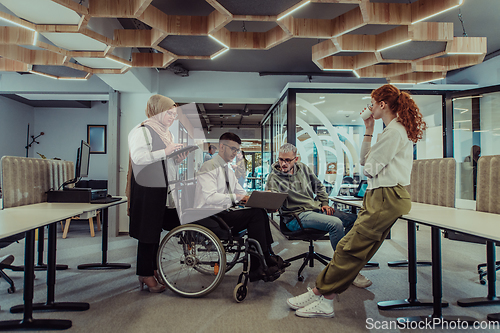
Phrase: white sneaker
(321, 308)
(361, 281)
(302, 300)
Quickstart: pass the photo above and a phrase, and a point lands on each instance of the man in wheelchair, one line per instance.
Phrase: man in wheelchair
(217, 187)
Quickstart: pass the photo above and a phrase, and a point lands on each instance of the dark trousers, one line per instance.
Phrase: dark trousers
(146, 258)
(255, 220)
(147, 252)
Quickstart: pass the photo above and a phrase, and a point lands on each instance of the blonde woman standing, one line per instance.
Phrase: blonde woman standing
(151, 207)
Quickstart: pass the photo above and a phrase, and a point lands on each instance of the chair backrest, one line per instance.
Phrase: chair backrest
(433, 181)
(26, 180)
(347, 180)
(488, 184)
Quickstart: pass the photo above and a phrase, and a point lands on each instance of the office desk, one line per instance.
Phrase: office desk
(485, 226)
(29, 217)
(14, 221)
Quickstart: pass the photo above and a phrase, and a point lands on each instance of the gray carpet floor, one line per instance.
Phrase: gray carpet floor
(117, 305)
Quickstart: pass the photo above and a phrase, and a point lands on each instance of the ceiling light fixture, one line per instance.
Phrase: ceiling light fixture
(218, 54)
(397, 44)
(321, 97)
(118, 61)
(466, 97)
(18, 24)
(305, 3)
(465, 53)
(218, 41)
(320, 102)
(394, 83)
(43, 74)
(74, 78)
(35, 38)
(426, 81)
(342, 70)
(445, 10)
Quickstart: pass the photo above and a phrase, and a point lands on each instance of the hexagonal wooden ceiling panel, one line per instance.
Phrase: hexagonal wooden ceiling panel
(390, 39)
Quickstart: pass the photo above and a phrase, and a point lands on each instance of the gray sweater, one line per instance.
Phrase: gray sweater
(305, 190)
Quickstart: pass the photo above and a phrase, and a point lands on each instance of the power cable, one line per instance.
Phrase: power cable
(462, 22)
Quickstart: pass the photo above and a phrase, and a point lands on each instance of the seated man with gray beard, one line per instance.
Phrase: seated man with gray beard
(308, 199)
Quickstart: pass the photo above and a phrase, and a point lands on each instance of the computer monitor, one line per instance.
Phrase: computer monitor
(82, 161)
(81, 166)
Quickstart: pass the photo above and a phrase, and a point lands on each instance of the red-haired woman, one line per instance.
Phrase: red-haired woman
(387, 165)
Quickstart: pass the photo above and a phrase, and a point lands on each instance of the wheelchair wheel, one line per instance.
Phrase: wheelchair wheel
(240, 292)
(191, 260)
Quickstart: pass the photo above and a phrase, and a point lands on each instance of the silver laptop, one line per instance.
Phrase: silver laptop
(266, 200)
(358, 194)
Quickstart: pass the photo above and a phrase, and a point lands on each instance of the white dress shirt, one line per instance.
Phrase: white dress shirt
(139, 144)
(389, 161)
(140, 147)
(211, 189)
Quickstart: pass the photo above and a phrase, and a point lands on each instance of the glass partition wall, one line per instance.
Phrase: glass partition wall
(328, 132)
(476, 132)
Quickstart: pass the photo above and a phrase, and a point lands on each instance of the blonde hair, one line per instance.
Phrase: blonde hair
(158, 104)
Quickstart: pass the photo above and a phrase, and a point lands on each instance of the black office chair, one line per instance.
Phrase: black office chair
(3, 243)
(307, 235)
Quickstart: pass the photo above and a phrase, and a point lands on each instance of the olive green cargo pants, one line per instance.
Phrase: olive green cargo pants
(381, 208)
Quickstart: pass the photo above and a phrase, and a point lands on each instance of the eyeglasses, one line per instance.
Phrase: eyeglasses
(233, 149)
(286, 160)
(172, 114)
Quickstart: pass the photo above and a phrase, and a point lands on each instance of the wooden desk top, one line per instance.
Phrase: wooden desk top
(15, 221)
(23, 218)
(471, 222)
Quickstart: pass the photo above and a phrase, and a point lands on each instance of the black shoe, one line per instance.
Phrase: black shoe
(280, 262)
(272, 274)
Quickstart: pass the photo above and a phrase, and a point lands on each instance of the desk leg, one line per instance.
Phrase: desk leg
(51, 282)
(437, 289)
(491, 298)
(104, 264)
(403, 263)
(29, 272)
(40, 266)
(412, 301)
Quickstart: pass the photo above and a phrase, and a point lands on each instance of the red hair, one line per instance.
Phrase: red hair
(406, 109)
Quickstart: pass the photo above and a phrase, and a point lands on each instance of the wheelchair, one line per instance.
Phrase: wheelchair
(192, 260)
